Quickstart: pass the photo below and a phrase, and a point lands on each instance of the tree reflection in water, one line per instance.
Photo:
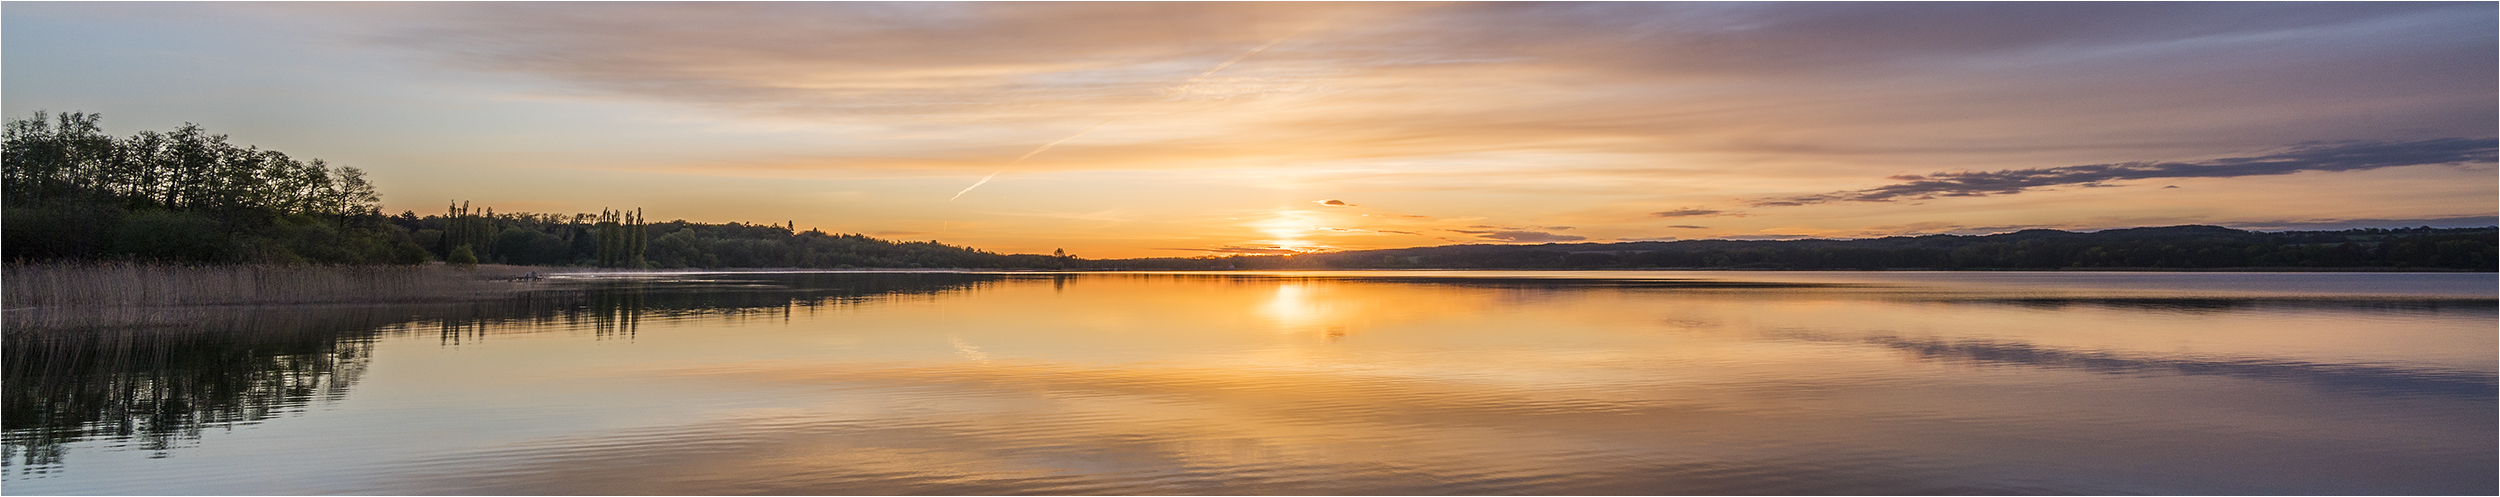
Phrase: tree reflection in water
(156, 378)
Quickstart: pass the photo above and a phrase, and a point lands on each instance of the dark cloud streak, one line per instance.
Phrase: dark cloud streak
(1687, 212)
(2311, 156)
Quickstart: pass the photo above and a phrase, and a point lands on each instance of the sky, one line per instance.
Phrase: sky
(1145, 129)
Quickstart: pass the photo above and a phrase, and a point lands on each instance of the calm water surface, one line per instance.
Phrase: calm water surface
(1286, 383)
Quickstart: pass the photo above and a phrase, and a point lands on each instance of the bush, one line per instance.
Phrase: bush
(172, 236)
(59, 231)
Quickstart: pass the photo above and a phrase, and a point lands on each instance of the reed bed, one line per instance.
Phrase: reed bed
(94, 285)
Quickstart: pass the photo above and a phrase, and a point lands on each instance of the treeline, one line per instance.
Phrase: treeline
(462, 235)
(74, 192)
(622, 239)
(2176, 247)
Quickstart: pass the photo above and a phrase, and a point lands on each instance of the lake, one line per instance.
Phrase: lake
(1405, 382)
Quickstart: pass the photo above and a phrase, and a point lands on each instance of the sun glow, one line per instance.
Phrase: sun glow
(1289, 229)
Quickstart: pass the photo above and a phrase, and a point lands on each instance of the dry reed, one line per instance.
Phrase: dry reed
(92, 285)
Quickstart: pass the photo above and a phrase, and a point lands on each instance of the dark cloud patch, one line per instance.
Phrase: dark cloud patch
(1690, 227)
(2309, 156)
(1688, 212)
(1332, 203)
(1522, 236)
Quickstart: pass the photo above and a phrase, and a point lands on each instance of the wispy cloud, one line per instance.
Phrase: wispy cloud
(1767, 237)
(1332, 203)
(977, 71)
(1106, 215)
(1381, 232)
(2314, 156)
(1522, 236)
(1689, 212)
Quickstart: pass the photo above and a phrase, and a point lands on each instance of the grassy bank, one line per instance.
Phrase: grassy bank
(89, 285)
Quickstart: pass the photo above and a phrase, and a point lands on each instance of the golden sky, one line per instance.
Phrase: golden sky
(1180, 129)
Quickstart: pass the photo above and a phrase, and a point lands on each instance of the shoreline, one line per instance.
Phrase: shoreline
(86, 284)
(597, 271)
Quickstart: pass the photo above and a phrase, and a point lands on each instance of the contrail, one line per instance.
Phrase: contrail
(1046, 146)
(975, 184)
(1229, 63)
(1027, 155)
(1176, 91)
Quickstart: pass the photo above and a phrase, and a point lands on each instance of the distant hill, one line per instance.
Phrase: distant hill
(2168, 247)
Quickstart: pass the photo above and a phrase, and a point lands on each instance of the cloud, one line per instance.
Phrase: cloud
(970, 85)
(1522, 236)
(1380, 232)
(1360, 230)
(1688, 212)
(1531, 108)
(1949, 228)
(2310, 156)
(1690, 227)
(1332, 203)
